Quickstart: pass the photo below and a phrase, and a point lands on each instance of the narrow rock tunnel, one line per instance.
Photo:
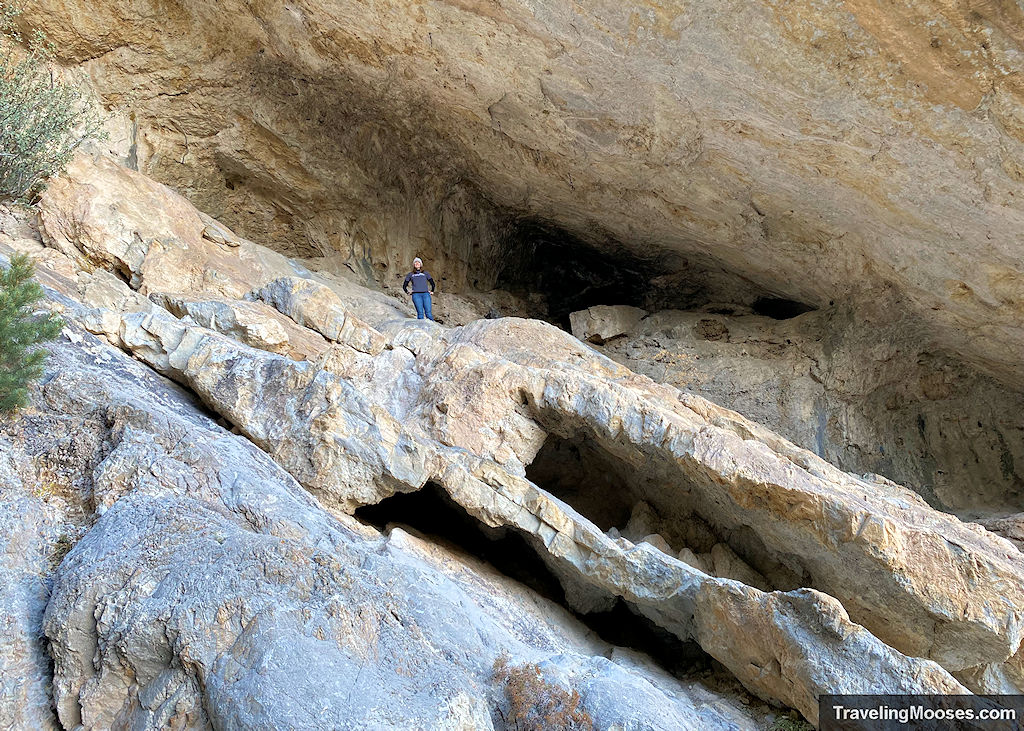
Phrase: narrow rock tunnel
(667, 513)
(432, 513)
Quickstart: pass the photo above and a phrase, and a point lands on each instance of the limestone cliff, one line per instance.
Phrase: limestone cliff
(782, 456)
(818, 152)
(215, 575)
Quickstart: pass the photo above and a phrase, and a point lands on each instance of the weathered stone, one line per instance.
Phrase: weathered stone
(212, 367)
(220, 234)
(100, 212)
(794, 144)
(658, 542)
(764, 655)
(29, 543)
(316, 425)
(642, 520)
(728, 565)
(468, 410)
(701, 563)
(601, 323)
(302, 619)
(897, 548)
(1006, 678)
(1010, 527)
(855, 388)
(316, 306)
(252, 323)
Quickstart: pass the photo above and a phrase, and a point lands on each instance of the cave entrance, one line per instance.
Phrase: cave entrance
(656, 505)
(572, 274)
(432, 513)
(779, 308)
(586, 477)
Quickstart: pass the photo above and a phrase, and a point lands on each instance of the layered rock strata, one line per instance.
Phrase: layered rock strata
(871, 589)
(821, 152)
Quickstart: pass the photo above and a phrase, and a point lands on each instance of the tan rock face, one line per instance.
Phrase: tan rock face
(797, 577)
(252, 323)
(103, 214)
(816, 150)
(315, 306)
(851, 386)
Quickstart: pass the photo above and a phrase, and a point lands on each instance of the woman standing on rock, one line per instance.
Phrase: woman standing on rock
(420, 293)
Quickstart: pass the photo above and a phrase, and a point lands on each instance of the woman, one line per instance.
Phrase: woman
(420, 293)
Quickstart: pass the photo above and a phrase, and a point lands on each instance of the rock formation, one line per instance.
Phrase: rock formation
(815, 153)
(851, 387)
(755, 157)
(253, 492)
(215, 575)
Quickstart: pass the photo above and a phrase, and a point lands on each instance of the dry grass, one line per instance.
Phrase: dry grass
(60, 549)
(534, 704)
(792, 722)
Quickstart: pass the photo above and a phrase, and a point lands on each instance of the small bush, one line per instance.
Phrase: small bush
(21, 362)
(61, 548)
(42, 120)
(534, 704)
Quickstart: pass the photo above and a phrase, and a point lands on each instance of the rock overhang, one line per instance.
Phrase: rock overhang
(819, 165)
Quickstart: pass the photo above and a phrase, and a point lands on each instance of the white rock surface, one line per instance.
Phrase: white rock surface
(223, 583)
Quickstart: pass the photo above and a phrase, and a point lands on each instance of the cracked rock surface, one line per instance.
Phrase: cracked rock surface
(816, 151)
(216, 578)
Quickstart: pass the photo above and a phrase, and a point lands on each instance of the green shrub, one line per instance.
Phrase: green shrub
(42, 120)
(61, 547)
(21, 361)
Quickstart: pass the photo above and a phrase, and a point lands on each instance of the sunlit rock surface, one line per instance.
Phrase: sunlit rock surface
(796, 578)
(822, 152)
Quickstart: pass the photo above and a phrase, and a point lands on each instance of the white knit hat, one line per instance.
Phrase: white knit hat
(417, 260)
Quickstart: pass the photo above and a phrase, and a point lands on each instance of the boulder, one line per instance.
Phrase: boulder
(316, 306)
(252, 323)
(701, 563)
(728, 565)
(98, 212)
(601, 323)
(658, 542)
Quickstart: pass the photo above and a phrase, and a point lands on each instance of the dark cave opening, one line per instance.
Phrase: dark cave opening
(577, 472)
(431, 512)
(624, 502)
(779, 308)
(570, 273)
(573, 274)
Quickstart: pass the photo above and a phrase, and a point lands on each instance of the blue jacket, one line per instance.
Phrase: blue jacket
(419, 282)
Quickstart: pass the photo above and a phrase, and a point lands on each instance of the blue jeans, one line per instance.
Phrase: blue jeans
(422, 302)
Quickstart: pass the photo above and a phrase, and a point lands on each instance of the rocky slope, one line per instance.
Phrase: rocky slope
(217, 578)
